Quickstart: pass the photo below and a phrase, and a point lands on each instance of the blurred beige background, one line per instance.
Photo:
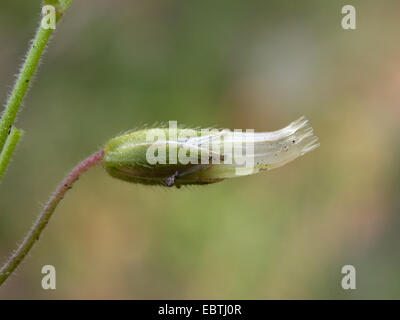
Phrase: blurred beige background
(114, 65)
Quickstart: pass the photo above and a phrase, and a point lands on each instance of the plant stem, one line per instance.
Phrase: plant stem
(25, 76)
(8, 150)
(46, 214)
(23, 81)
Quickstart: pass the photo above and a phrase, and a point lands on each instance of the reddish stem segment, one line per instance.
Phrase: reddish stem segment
(43, 219)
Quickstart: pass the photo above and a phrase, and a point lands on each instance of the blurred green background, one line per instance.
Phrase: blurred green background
(115, 65)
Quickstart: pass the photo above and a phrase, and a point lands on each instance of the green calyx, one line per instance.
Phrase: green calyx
(130, 157)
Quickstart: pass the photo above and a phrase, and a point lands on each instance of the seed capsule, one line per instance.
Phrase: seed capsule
(175, 156)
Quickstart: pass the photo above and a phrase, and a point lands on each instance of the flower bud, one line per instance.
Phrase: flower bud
(180, 156)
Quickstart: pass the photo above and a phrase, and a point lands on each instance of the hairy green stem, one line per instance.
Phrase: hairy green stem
(23, 81)
(26, 74)
(43, 219)
(9, 147)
